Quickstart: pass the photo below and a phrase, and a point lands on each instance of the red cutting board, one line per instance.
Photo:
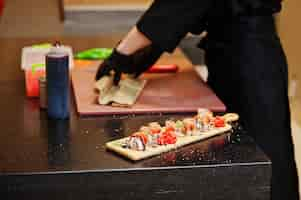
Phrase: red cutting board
(180, 92)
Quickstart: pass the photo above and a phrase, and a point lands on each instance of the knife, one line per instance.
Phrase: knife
(172, 68)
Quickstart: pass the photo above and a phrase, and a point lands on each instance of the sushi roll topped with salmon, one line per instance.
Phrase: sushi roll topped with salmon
(154, 135)
(137, 141)
(204, 120)
(189, 126)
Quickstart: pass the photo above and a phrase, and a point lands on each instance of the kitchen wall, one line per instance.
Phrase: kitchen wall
(290, 32)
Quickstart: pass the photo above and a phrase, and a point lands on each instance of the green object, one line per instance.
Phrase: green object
(94, 54)
(42, 46)
(34, 67)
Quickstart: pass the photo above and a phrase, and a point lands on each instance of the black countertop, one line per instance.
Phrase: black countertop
(30, 143)
(46, 159)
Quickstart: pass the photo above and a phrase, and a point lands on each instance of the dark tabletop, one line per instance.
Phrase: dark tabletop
(30, 143)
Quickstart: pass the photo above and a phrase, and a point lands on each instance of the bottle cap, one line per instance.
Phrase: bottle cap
(58, 50)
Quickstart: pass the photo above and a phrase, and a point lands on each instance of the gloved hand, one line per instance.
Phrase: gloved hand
(134, 64)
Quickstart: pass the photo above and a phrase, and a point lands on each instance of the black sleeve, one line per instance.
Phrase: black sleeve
(166, 22)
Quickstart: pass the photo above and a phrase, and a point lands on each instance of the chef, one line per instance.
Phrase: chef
(246, 63)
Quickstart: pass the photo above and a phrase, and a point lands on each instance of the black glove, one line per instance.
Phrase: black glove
(134, 64)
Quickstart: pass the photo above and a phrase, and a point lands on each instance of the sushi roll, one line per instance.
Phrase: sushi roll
(179, 128)
(145, 129)
(154, 127)
(155, 130)
(176, 127)
(189, 126)
(137, 141)
(150, 137)
(204, 120)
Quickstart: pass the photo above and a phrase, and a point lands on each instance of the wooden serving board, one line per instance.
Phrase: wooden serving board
(134, 155)
(181, 92)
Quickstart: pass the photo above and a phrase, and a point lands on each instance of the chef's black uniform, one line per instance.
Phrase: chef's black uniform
(247, 69)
